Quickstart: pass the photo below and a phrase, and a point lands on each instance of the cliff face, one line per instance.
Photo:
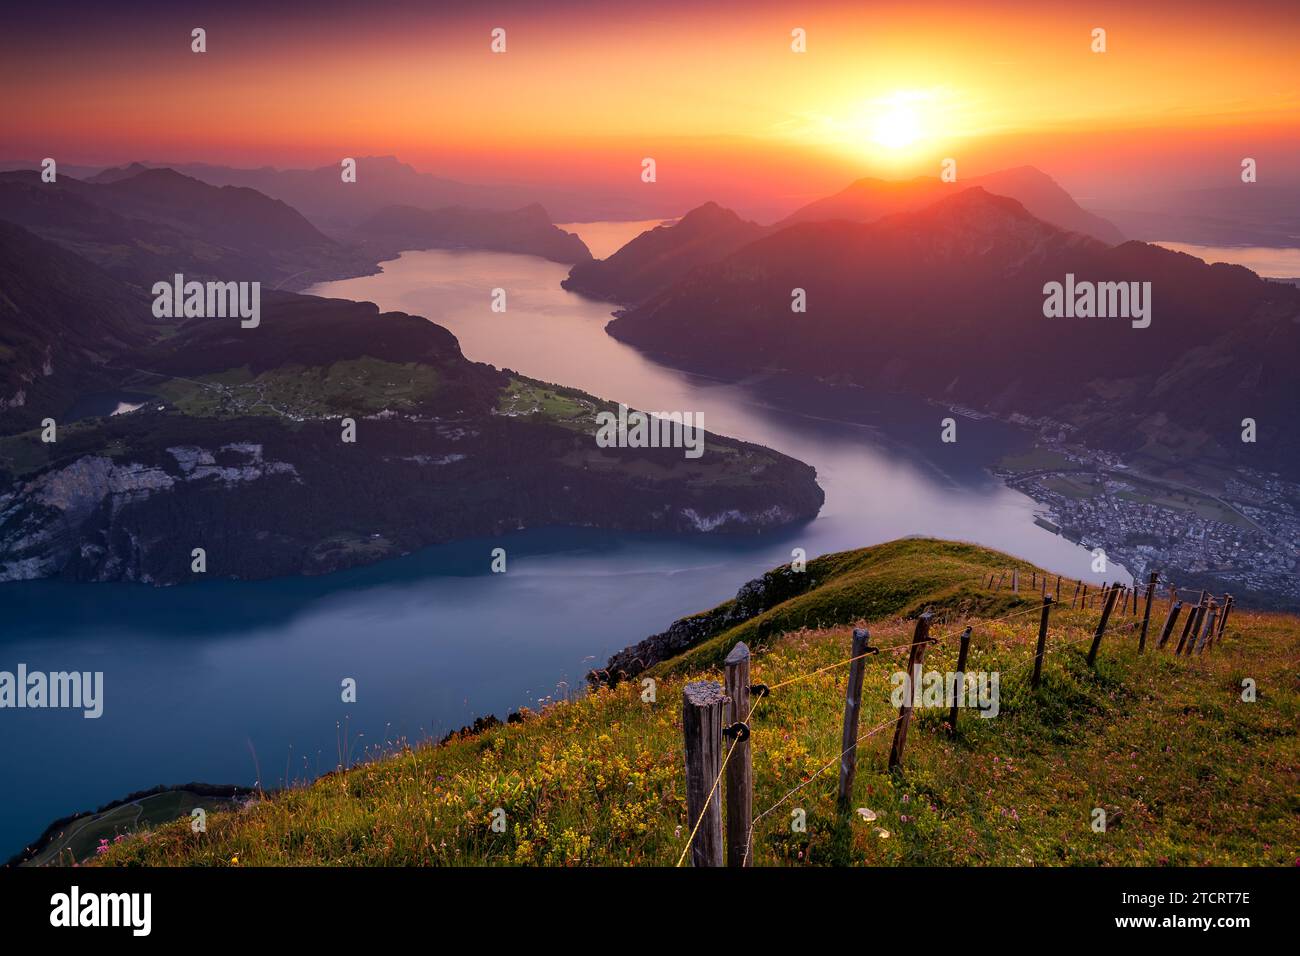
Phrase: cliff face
(753, 598)
(263, 501)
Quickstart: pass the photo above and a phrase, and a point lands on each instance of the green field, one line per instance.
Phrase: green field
(355, 386)
(1036, 459)
(80, 839)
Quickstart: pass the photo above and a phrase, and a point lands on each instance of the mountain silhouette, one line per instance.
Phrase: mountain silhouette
(869, 199)
(659, 257)
(948, 301)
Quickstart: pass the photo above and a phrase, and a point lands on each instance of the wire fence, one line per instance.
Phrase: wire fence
(1202, 621)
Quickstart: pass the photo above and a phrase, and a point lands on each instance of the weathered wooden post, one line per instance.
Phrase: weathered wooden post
(1228, 602)
(1146, 614)
(1211, 613)
(1015, 580)
(1084, 602)
(852, 713)
(920, 638)
(961, 677)
(1001, 578)
(740, 768)
(702, 702)
(1058, 589)
(1198, 618)
(1101, 626)
(1042, 640)
(1075, 595)
(1169, 625)
(1033, 580)
(1188, 626)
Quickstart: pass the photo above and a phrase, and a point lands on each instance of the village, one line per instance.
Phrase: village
(1244, 539)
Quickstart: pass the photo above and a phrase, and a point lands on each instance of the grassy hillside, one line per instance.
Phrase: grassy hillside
(1188, 773)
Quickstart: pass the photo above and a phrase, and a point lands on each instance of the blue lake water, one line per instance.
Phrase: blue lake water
(235, 682)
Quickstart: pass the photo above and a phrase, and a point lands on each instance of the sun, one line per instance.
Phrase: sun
(896, 126)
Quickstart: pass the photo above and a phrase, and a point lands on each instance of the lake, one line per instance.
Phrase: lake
(1268, 261)
(234, 682)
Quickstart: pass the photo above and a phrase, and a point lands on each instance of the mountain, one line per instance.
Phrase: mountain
(948, 302)
(61, 320)
(869, 199)
(658, 257)
(233, 216)
(384, 181)
(528, 231)
(148, 224)
(238, 443)
(600, 780)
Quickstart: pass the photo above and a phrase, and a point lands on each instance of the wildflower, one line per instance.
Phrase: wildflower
(866, 814)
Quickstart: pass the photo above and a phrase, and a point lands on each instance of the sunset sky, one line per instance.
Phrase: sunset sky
(714, 94)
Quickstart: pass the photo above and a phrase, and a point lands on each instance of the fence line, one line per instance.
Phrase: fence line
(1204, 626)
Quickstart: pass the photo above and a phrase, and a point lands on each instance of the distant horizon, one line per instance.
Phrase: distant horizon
(721, 99)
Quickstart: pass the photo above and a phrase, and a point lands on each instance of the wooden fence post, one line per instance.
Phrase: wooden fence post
(1101, 626)
(1228, 602)
(1198, 617)
(961, 673)
(1146, 615)
(1188, 625)
(852, 713)
(1058, 589)
(1075, 595)
(1211, 613)
(915, 659)
(1033, 580)
(702, 728)
(1001, 578)
(1042, 639)
(1015, 580)
(740, 768)
(1084, 602)
(1169, 624)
